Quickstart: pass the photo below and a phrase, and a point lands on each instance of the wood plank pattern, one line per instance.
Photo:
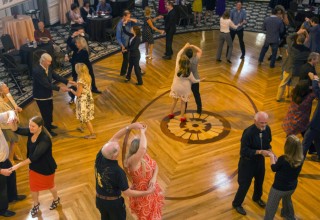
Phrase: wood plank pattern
(199, 180)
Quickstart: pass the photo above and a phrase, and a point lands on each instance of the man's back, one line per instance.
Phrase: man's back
(273, 27)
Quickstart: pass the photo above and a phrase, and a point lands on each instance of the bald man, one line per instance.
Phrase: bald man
(111, 179)
(255, 146)
(42, 32)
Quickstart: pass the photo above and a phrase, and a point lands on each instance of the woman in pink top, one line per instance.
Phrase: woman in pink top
(225, 24)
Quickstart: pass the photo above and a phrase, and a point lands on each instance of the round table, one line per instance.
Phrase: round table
(28, 53)
(96, 27)
(19, 29)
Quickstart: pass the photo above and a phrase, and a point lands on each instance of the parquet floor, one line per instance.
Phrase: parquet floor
(199, 180)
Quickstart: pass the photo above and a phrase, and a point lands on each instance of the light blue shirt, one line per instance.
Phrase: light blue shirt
(121, 37)
(237, 17)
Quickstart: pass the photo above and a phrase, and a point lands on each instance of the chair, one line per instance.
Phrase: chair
(111, 32)
(13, 68)
(9, 47)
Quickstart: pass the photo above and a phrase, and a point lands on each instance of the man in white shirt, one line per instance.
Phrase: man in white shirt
(8, 184)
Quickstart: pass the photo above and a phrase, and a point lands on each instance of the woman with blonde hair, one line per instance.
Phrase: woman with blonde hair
(7, 103)
(42, 165)
(181, 85)
(144, 170)
(84, 102)
(287, 168)
(81, 54)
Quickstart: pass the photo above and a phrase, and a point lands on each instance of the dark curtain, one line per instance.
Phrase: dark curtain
(44, 12)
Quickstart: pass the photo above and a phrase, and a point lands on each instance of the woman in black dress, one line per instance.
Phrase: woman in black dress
(210, 6)
(147, 31)
(79, 46)
(134, 52)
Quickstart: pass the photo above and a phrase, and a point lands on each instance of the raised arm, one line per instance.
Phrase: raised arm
(123, 131)
(135, 159)
(125, 31)
(179, 56)
(198, 50)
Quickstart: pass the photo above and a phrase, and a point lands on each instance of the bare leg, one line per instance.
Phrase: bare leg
(35, 198)
(199, 17)
(150, 50)
(90, 127)
(147, 48)
(173, 105)
(54, 193)
(182, 108)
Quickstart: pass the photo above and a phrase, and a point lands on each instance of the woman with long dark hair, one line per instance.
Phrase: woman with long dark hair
(287, 168)
(42, 165)
(134, 52)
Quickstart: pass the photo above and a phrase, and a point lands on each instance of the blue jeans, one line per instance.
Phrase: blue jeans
(264, 49)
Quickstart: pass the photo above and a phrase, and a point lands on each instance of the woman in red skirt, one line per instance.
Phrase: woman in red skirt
(42, 166)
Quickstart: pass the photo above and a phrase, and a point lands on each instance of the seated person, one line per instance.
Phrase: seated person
(104, 7)
(86, 10)
(76, 19)
(42, 32)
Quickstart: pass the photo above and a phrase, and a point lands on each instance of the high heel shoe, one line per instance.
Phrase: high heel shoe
(183, 119)
(55, 204)
(34, 211)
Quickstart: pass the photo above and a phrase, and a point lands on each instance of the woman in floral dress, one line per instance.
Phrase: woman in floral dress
(143, 170)
(84, 103)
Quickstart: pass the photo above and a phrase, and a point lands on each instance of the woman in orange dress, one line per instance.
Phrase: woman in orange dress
(143, 170)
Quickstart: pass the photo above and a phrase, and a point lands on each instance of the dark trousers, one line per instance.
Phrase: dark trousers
(111, 209)
(8, 187)
(264, 49)
(125, 61)
(46, 110)
(248, 169)
(196, 93)
(239, 33)
(312, 148)
(311, 136)
(134, 62)
(169, 40)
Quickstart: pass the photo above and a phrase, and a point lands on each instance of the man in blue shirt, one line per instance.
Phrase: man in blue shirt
(273, 26)
(104, 7)
(238, 16)
(123, 39)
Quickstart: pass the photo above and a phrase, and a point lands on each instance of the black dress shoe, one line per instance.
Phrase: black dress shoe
(166, 57)
(127, 80)
(20, 197)
(53, 134)
(240, 210)
(315, 158)
(218, 60)
(96, 91)
(122, 74)
(242, 57)
(54, 127)
(229, 61)
(143, 73)
(7, 213)
(139, 84)
(261, 203)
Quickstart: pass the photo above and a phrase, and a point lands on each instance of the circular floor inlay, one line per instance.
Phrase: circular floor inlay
(198, 129)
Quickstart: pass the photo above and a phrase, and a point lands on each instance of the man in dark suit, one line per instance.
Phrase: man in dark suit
(170, 29)
(43, 87)
(273, 26)
(313, 131)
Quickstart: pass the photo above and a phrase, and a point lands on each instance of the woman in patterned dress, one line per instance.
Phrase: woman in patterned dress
(181, 85)
(147, 31)
(143, 170)
(84, 102)
(197, 10)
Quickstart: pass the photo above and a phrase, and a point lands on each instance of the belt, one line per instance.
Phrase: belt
(108, 197)
(224, 32)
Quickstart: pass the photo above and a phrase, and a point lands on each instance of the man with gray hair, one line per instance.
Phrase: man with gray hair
(43, 89)
(255, 145)
(111, 179)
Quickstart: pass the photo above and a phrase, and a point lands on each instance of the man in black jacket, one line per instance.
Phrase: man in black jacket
(170, 29)
(43, 87)
(255, 145)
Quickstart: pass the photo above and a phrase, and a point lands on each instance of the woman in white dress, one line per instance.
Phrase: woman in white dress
(181, 85)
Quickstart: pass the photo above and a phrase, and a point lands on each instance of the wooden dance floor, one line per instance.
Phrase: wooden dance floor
(198, 172)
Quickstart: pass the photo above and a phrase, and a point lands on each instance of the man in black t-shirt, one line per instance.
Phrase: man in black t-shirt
(111, 179)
